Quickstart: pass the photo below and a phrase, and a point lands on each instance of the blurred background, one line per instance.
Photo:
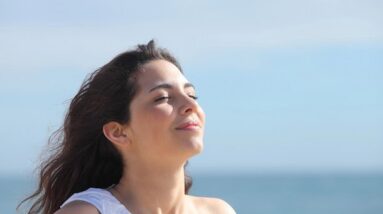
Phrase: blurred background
(292, 90)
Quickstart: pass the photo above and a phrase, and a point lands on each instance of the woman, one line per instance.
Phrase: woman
(125, 142)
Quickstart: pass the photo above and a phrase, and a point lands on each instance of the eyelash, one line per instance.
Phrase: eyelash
(193, 97)
(168, 97)
(161, 98)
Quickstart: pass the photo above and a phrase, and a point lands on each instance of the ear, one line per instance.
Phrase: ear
(116, 133)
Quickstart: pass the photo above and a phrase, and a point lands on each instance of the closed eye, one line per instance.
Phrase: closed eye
(168, 97)
(193, 97)
(162, 98)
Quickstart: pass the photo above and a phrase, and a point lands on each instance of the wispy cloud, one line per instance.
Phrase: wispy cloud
(45, 33)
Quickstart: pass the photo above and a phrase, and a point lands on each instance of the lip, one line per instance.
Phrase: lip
(190, 125)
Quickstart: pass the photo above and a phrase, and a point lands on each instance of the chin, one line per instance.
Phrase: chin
(194, 147)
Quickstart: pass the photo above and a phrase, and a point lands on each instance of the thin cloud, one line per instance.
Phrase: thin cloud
(69, 36)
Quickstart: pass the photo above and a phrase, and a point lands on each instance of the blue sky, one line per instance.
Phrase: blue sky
(286, 85)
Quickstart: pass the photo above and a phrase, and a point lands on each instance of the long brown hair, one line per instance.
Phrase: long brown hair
(82, 156)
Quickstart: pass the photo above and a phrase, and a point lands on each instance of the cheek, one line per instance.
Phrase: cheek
(156, 120)
(160, 114)
(158, 123)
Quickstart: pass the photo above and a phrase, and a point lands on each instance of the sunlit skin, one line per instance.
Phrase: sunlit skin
(166, 128)
(165, 101)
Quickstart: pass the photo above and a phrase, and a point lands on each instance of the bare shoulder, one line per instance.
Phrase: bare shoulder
(78, 207)
(212, 205)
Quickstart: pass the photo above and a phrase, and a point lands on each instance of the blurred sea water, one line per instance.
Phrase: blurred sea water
(260, 193)
(297, 193)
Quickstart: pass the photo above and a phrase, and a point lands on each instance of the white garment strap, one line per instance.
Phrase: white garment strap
(102, 199)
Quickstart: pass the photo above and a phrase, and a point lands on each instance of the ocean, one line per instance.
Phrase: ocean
(261, 193)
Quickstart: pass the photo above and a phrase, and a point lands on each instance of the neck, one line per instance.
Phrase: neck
(158, 190)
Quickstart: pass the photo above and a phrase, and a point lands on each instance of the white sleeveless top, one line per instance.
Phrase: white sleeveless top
(102, 199)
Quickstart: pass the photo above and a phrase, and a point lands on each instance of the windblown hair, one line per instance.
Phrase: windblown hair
(82, 156)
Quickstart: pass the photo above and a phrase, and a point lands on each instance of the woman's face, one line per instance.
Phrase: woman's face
(166, 122)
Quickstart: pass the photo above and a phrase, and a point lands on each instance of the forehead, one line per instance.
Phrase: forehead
(159, 71)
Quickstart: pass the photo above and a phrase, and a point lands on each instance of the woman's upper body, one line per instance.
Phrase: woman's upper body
(165, 129)
(135, 123)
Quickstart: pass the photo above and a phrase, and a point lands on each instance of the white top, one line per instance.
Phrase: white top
(102, 199)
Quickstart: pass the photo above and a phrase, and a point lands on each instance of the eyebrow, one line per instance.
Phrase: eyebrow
(169, 86)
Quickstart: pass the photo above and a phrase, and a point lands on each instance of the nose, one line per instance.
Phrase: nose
(189, 105)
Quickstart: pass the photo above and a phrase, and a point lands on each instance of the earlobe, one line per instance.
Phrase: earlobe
(115, 133)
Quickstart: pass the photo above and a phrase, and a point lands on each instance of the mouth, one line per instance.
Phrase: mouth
(190, 125)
